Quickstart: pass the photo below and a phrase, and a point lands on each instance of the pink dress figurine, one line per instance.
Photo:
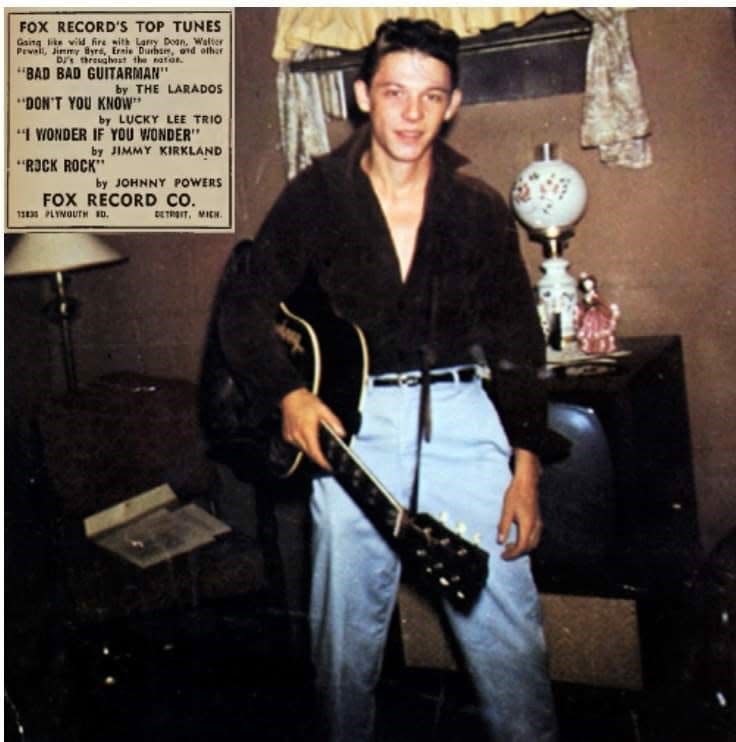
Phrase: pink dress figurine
(595, 320)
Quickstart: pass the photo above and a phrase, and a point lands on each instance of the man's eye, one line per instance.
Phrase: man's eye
(436, 98)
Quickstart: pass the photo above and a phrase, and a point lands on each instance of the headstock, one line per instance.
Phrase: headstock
(443, 561)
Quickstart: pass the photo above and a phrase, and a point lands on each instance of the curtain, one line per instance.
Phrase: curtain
(614, 118)
(353, 28)
(301, 115)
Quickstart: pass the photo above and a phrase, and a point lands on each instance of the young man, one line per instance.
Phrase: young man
(425, 260)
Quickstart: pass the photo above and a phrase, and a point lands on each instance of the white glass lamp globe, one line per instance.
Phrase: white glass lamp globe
(549, 195)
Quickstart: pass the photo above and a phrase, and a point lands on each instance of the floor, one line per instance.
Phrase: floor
(238, 671)
(237, 675)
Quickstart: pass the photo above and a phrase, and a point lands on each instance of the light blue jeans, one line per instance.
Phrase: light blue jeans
(355, 577)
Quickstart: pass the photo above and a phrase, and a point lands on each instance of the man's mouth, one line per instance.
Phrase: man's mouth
(409, 136)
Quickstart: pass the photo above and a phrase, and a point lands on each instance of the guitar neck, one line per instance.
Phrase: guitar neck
(450, 566)
(380, 507)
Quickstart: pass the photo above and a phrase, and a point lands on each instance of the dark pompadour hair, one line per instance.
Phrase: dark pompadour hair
(405, 34)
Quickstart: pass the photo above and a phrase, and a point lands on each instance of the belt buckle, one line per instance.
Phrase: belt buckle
(408, 380)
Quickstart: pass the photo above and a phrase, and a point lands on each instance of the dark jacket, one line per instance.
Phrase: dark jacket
(467, 289)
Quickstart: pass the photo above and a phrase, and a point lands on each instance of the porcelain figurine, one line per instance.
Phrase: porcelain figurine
(595, 319)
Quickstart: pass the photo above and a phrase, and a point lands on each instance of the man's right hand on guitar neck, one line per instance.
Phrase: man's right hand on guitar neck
(301, 413)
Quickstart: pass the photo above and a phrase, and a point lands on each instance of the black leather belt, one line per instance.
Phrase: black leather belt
(465, 374)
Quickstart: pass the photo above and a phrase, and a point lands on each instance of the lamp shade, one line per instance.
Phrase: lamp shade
(549, 195)
(47, 252)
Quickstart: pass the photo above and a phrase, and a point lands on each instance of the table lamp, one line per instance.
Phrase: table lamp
(55, 254)
(549, 198)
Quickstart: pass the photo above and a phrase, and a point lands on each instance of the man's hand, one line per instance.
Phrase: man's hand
(301, 413)
(521, 506)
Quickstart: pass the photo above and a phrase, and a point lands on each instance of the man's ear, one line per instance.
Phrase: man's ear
(455, 100)
(362, 98)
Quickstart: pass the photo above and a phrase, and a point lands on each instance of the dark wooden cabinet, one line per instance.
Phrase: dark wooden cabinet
(620, 512)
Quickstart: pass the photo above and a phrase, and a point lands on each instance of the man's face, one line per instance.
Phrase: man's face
(408, 100)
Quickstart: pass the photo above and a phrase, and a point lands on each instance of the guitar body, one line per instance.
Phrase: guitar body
(331, 355)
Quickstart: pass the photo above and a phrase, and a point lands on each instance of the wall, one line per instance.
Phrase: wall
(659, 239)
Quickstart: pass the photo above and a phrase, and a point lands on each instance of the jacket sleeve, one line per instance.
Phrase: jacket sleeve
(517, 343)
(273, 268)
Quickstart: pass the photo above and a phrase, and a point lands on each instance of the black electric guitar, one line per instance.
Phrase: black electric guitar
(332, 357)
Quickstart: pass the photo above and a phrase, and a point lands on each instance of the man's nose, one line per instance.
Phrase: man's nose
(413, 110)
